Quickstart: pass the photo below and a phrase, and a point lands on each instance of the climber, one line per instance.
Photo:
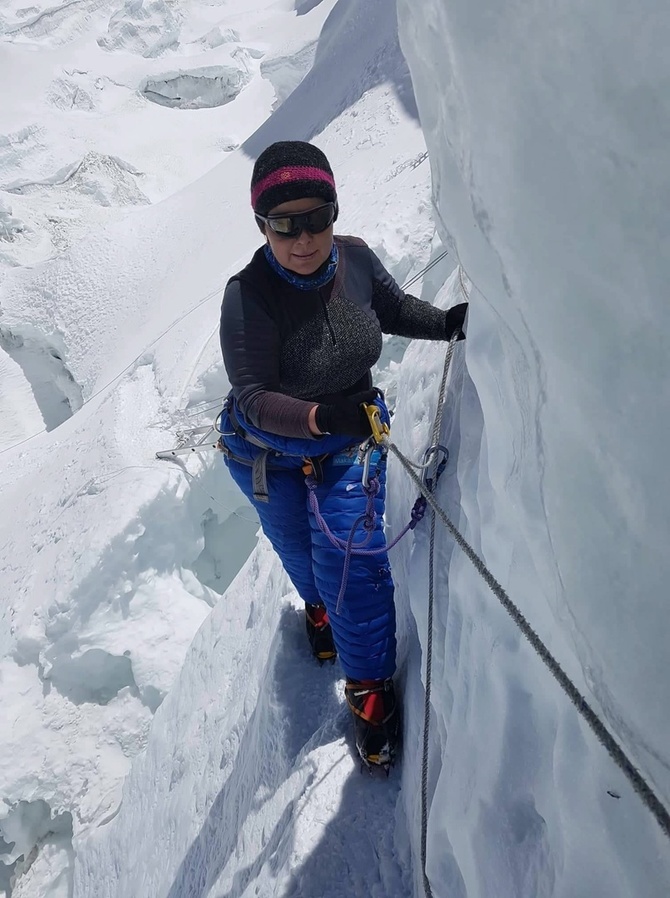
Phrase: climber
(301, 327)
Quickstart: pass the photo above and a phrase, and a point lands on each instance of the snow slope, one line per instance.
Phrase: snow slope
(168, 734)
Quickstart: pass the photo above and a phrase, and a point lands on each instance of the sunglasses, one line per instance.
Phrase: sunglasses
(292, 225)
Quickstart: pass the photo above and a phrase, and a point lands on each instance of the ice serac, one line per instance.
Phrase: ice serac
(18, 408)
(548, 126)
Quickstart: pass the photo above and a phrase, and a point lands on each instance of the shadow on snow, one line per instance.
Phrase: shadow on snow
(298, 710)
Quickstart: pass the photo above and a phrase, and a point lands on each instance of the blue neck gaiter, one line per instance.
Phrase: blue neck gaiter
(312, 282)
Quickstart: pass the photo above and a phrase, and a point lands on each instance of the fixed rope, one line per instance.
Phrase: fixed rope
(603, 735)
(431, 484)
(423, 271)
(640, 785)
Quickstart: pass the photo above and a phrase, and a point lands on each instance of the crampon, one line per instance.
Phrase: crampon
(376, 722)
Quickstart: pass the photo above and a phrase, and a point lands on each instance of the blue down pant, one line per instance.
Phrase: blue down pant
(364, 628)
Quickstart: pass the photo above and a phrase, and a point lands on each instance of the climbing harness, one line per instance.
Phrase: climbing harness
(380, 436)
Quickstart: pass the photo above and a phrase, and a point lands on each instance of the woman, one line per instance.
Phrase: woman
(301, 326)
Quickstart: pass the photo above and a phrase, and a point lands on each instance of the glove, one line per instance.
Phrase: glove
(454, 320)
(346, 416)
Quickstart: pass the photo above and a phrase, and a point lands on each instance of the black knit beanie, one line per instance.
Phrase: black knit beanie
(290, 170)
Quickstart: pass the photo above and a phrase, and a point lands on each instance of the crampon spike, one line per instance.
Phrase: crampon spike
(382, 761)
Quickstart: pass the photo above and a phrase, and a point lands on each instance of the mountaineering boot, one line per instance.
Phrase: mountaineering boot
(319, 633)
(376, 720)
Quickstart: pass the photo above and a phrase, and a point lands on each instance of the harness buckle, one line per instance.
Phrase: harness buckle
(313, 467)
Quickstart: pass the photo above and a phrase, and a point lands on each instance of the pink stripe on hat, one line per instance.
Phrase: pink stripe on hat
(287, 175)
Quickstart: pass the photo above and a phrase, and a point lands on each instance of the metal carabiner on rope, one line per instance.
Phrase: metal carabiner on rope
(426, 464)
(380, 433)
(364, 458)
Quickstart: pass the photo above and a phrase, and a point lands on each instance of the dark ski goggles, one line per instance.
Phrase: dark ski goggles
(314, 222)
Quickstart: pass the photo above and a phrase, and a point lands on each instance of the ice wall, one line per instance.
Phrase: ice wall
(548, 128)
